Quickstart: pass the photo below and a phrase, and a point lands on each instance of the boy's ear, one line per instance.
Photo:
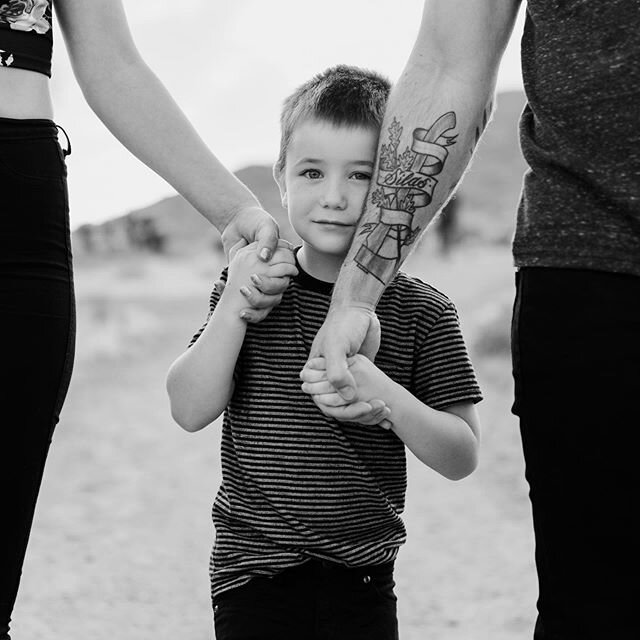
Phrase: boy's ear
(278, 176)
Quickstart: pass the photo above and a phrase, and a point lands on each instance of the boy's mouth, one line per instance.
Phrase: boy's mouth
(334, 223)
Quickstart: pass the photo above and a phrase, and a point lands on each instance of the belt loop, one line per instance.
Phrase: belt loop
(67, 151)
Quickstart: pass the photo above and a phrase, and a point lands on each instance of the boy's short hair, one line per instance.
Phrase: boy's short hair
(342, 95)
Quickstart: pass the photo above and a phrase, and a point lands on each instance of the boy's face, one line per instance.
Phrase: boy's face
(325, 181)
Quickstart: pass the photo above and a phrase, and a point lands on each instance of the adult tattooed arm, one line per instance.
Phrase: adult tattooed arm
(435, 116)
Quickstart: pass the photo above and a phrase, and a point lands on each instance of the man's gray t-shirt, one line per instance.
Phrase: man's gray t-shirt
(580, 135)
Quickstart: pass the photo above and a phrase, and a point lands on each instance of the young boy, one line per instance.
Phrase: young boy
(308, 515)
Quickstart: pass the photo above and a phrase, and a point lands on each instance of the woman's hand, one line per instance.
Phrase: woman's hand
(259, 284)
(252, 224)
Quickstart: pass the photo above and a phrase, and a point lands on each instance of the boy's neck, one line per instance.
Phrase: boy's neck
(321, 266)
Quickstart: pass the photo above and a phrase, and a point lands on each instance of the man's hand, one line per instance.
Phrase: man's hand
(371, 383)
(345, 332)
(252, 224)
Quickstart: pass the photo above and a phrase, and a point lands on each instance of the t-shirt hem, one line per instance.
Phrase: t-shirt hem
(441, 405)
(240, 579)
(595, 263)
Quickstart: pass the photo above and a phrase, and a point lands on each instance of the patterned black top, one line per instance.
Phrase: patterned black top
(26, 39)
(298, 485)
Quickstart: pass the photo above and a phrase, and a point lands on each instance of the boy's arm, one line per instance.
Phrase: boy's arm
(435, 116)
(200, 382)
(445, 440)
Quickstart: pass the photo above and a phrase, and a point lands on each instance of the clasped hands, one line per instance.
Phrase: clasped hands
(341, 376)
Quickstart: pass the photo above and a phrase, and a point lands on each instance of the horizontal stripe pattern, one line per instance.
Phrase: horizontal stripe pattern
(298, 485)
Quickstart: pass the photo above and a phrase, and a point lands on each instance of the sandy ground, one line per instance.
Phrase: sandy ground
(122, 535)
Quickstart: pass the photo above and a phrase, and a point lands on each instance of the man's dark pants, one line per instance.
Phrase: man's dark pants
(315, 601)
(576, 362)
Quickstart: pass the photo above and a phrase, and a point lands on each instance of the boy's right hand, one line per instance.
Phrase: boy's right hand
(257, 286)
(372, 411)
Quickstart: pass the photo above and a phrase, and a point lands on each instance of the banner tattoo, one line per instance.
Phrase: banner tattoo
(405, 184)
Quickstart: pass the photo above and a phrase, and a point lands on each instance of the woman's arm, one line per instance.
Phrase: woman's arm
(136, 107)
(436, 114)
(446, 440)
(200, 382)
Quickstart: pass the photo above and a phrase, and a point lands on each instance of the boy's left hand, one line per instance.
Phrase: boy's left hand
(366, 408)
(263, 291)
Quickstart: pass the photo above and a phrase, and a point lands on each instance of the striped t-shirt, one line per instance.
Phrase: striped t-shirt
(297, 484)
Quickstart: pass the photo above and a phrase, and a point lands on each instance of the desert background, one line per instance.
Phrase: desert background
(122, 534)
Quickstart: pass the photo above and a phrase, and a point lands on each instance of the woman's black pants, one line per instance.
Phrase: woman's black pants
(576, 356)
(36, 328)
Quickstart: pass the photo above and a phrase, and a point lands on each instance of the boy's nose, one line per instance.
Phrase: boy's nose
(334, 197)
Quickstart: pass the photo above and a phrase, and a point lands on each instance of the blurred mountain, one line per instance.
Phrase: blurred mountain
(485, 204)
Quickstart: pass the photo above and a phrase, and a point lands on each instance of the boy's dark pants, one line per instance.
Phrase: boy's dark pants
(576, 361)
(315, 601)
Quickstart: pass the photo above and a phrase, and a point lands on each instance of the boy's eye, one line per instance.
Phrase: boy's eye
(361, 175)
(312, 174)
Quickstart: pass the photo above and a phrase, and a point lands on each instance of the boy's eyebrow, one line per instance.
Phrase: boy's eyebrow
(367, 163)
(309, 160)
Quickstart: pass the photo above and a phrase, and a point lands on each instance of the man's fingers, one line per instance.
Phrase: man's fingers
(316, 363)
(309, 374)
(338, 374)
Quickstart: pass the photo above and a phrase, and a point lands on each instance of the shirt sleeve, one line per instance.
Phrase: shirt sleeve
(213, 301)
(443, 374)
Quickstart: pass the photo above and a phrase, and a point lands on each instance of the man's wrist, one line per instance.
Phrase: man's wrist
(338, 305)
(356, 289)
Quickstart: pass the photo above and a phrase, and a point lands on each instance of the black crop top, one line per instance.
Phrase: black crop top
(26, 41)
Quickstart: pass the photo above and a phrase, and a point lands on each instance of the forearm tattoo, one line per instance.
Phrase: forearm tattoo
(405, 185)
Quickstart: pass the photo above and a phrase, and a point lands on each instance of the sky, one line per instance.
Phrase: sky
(229, 65)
